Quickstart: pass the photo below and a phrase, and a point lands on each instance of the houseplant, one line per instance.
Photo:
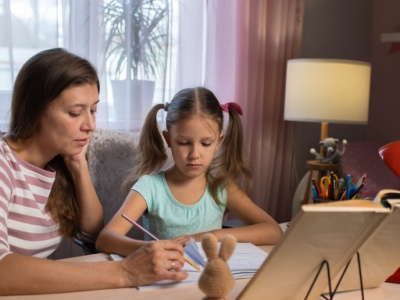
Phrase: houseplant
(136, 50)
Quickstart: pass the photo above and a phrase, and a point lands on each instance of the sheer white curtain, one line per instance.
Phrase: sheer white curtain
(236, 48)
(27, 27)
(248, 44)
(191, 47)
(239, 50)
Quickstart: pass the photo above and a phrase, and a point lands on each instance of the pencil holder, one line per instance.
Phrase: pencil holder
(322, 200)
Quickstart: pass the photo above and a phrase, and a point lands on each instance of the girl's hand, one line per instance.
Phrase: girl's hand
(183, 239)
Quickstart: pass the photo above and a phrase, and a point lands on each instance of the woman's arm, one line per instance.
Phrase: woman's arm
(91, 211)
(113, 239)
(22, 274)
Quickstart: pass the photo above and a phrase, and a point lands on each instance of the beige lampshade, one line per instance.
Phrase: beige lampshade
(327, 90)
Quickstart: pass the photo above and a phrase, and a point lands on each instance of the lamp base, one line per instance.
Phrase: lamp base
(324, 135)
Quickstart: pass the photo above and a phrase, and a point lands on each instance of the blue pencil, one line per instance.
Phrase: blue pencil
(348, 186)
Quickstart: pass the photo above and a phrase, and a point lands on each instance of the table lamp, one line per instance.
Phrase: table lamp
(327, 91)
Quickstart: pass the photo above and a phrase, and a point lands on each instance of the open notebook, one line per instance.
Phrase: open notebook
(244, 263)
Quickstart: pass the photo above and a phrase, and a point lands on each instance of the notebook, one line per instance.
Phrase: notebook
(244, 263)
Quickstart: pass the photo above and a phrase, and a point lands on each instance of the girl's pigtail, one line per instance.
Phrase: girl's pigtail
(152, 153)
(230, 162)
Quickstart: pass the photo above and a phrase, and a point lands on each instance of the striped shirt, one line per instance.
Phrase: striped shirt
(26, 227)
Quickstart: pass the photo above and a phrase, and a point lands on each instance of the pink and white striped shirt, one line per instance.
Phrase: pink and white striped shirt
(26, 227)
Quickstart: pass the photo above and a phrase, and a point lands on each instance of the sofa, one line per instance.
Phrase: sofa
(111, 156)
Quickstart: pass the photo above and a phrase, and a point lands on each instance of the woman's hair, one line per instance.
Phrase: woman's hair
(42, 79)
(229, 162)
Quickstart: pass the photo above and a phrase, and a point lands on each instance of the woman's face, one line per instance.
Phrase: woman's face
(69, 120)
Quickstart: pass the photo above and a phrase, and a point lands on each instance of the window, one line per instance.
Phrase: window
(26, 27)
(100, 31)
(140, 51)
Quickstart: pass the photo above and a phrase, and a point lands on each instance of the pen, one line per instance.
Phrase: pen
(332, 186)
(314, 183)
(314, 191)
(361, 180)
(343, 195)
(353, 196)
(336, 190)
(348, 186)
(187, 259)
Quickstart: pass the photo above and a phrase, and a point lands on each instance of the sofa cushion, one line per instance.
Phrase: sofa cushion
(111, 156)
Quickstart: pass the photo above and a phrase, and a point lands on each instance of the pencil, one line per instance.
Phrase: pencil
(187, 259)
(140, 227)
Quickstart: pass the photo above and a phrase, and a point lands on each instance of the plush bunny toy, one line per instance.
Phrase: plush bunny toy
(216, 280)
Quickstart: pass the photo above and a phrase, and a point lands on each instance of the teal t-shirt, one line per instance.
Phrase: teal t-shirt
(168, 218)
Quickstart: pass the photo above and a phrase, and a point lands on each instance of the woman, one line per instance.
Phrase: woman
(45, 189)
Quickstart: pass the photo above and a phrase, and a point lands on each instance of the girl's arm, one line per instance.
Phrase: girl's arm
(113, 239)
(22, 274)
(260, 228)
(91, 211)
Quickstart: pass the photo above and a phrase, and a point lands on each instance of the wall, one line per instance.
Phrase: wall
(350, 29)
(384, 121)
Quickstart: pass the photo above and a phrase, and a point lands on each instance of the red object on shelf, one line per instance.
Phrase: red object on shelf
(390, 154)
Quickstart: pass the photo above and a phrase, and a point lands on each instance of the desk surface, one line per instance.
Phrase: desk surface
(386, 291)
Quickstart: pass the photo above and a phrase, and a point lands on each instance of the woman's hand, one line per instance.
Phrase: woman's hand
(155, 261)
(76, 162)
(91, 211)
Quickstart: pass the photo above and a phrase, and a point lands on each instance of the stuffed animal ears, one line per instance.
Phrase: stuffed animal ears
(209, 243)
(228, 244)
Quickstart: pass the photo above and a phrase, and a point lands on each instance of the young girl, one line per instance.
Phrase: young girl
(193, 195)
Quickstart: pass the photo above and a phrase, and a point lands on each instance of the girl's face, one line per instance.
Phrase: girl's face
(193, 144)
(67, 124)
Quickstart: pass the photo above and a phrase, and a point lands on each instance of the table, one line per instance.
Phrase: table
(386, 291)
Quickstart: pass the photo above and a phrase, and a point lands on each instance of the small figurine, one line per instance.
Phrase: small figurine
(332, 154)
(216, 280)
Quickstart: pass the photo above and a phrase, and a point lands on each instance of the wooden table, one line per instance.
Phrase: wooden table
(386, 291)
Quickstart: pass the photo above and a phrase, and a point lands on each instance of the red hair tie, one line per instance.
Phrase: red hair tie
(236, 107)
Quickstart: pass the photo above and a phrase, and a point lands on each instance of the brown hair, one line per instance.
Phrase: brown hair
(229, 164)
(42, 79)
